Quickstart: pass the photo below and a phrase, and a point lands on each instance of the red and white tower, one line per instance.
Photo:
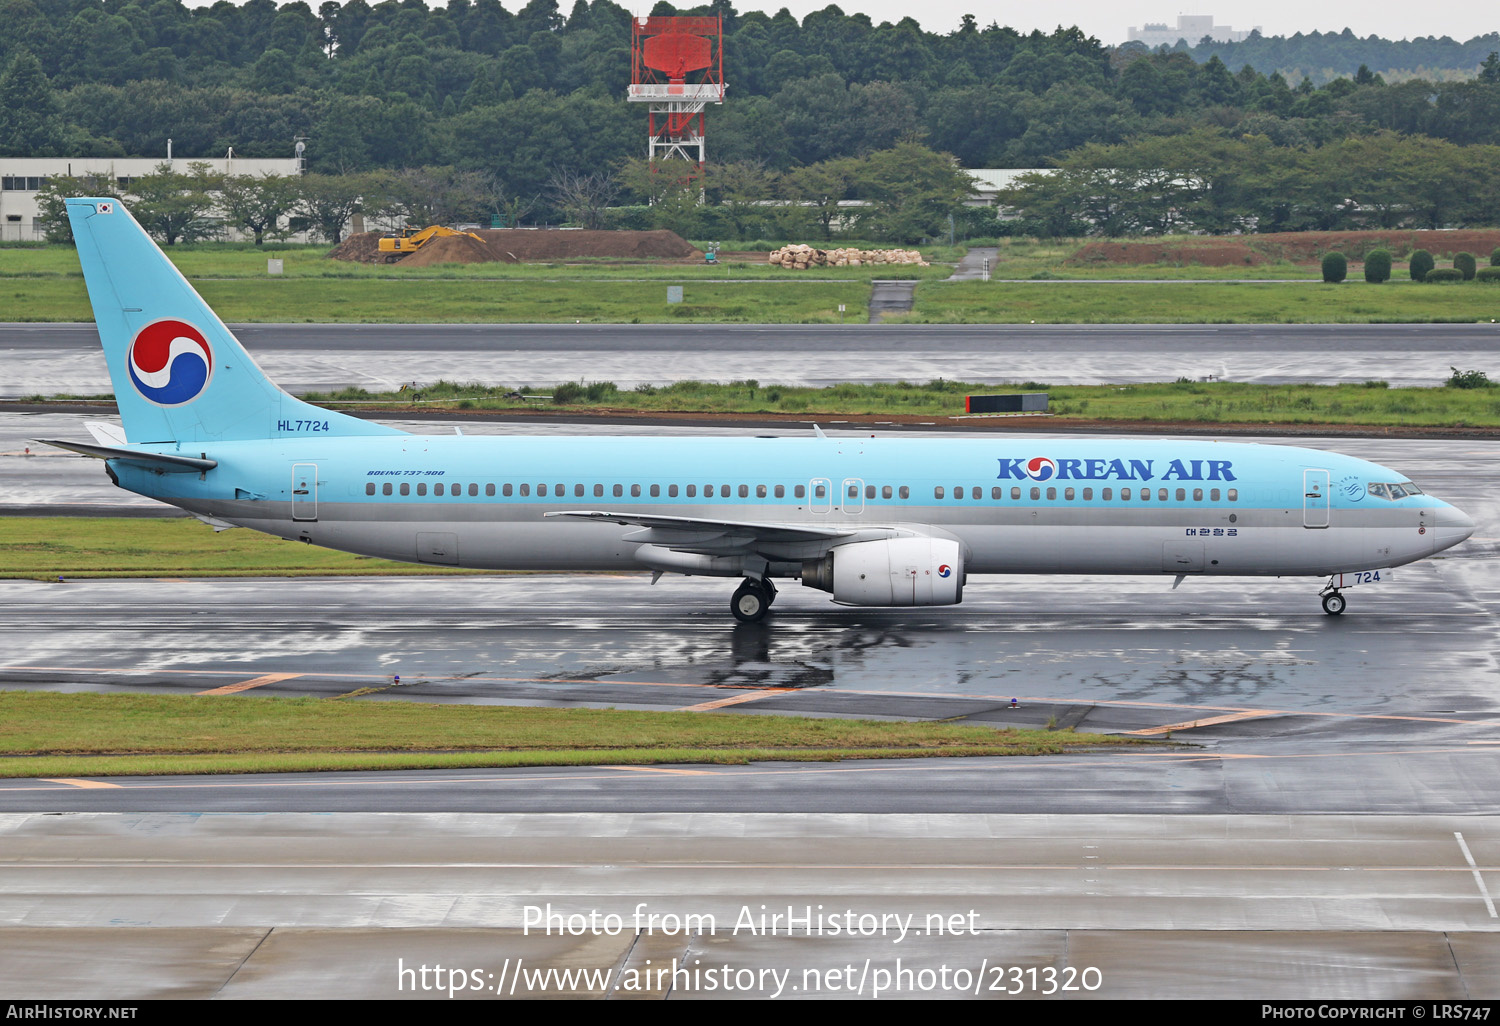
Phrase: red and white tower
(677, 66)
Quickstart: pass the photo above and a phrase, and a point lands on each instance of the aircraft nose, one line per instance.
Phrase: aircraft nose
(1450, 526)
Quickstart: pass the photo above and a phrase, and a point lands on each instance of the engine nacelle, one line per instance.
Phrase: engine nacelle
(896, 572)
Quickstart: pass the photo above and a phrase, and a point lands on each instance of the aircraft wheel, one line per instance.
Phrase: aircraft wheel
(770, 590)
(1333, 603)
(750, 602)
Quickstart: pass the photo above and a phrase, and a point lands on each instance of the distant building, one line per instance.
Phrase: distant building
(1192, 27)
(21, 177)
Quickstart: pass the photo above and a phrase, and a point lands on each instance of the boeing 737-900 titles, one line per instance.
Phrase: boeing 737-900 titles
(874, 521)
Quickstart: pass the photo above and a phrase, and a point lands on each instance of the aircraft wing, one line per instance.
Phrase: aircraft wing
(719, 537)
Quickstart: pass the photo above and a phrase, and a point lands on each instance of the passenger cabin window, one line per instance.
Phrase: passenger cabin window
(635, 491)
(1161, 495)
(671, 491)
(799, 491)
(505, 490)
(405, 488)
(525, 490)
(1213, 495)
(978, 493)
(541, 489)
(369, 487)
(474, 489)
(1036, 493)
(1181, 494)
(1197, 494)
(870, 492)
(1015, 493)
(692, 491)
(1124, 494)
(437, 489)
(744, 491)
(655, 491)
(1088, 494)
(385, 489)
(598, 491)
(885, 492)
(780, 491)
(1051, 494)
(958, 492)
(489, 489)
(619, 490)
(1106, 493)
(905, 492)
(1068, 494)
(577, 491)
(760, 491)
(1234, 495)
(937, 493)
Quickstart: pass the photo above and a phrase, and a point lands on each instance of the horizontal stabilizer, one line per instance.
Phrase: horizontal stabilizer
(169, 463)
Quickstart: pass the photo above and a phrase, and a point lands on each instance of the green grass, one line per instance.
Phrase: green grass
(1012, 302)
(44, 548)
(44, 734)
(426, 300)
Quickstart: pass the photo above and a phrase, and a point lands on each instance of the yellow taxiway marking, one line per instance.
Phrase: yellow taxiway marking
(719, 703)
(246, 685)
(660, 769)
(1248, 714)
(71, 782)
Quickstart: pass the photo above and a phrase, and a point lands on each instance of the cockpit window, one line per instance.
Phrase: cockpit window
(1394, 490)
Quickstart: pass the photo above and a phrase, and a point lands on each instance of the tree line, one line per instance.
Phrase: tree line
(1210, 181)
(902, 194)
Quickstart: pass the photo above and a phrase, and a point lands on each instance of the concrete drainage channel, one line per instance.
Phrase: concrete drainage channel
(890, 297)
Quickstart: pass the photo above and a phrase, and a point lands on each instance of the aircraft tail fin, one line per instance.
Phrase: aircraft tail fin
(179, 374)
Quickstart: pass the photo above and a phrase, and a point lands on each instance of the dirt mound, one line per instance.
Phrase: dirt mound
(525, 244)
(453, 249)
(1294, 247)
(363, 248)
(513, 245)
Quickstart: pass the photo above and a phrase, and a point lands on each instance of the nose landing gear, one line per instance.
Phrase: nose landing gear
(752, 599)
(1333, 603)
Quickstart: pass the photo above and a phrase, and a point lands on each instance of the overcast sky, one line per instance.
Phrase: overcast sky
(1108, 20)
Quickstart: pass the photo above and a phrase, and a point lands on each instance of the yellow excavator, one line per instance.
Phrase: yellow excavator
(408, 240)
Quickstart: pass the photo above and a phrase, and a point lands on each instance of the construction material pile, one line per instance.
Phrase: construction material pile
(799, 258)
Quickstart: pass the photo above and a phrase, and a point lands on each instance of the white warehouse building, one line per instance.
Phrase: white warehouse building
(21, 177)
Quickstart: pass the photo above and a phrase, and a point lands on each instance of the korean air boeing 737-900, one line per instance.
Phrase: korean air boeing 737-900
(874, 521)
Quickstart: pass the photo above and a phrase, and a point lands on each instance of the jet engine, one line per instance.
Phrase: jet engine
(895, 572)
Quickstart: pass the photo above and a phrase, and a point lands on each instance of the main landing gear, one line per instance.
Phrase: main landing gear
(1333, 603)
(752, 599)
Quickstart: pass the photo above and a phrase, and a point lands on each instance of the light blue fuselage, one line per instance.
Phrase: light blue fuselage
(1293, 511)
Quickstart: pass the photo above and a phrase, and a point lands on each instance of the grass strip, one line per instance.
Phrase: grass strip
(445, 301)
(1227, 402)
(44, 548)
(1312, 302)
(44, 734)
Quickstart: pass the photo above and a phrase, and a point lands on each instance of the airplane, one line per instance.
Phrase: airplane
(873, 521)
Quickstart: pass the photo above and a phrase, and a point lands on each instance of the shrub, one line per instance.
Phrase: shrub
(1468, 379)
(1377, 266)
(1421, 263)
(1495, 257)
(567, 392)
(1464, 262)
(1444, 274)
(1488, 274)
(1335, 267)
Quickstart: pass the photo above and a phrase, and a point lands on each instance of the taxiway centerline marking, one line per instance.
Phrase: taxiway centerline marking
(719, 703)
(246, 685)
(1248, 714)
(73, 782)
(1479, 880)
